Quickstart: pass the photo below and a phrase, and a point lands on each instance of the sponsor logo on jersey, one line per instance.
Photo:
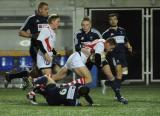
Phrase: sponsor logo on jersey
(91, 37)
(71, 92)
(119, 39)
(41, 26)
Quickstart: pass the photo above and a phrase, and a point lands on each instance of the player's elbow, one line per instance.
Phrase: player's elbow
(23, 34)
(20, 33)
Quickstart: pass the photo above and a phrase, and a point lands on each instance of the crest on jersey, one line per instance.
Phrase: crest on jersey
(82, 38)
(91, 38)
(112, 34)
(37, 21)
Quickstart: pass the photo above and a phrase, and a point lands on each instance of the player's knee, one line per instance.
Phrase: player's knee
(88, 79)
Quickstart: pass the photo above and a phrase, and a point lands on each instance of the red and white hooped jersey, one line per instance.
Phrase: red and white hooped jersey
(97, 46)
(48, 37)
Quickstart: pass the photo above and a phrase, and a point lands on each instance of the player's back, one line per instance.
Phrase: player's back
(61, 96)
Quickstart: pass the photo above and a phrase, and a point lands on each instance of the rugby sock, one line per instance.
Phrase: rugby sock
(118, 82)
(115, 86)
(124, 77)
(40, 89)
(41, 80)
(88, 99)
(31, 95)
(18, 75)
(80, 81)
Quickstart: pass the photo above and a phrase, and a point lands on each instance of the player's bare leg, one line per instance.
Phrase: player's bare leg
(60, 74)
(84, 72)
(55, 68)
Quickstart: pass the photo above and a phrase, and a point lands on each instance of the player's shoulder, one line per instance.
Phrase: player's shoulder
(121, 28)
(106, 31)
(78, 32)
(94, 30)
(31, 17)
(45, 30)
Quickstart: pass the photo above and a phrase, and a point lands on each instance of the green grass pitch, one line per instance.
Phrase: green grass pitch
(143, 101)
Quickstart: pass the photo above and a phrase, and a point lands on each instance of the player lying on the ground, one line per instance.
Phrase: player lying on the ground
(59, 95)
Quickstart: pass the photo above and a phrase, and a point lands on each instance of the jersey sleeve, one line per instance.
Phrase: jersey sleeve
(99, 48)
(26, 24)
(43, 34)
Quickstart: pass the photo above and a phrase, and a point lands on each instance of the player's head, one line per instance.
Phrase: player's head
(83, 90)
(110, 44)
(43, 9)
(113, 19)
(54, 21)
(86, 24)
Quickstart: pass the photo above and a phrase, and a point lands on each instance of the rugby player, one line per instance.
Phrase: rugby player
(119, 53)
(86, 34)
(31, 29)
(59, 95)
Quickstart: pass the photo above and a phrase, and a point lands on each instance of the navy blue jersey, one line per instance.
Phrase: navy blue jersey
(81, 36)
(120, 36)
(64, 95)
(34, 23)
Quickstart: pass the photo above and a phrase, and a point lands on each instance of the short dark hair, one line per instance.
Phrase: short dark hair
(86, 19)
(41, 4)
(111, 41)
(53, 17)
(113, 14)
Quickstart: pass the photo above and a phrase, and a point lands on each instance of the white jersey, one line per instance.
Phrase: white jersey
(79, 59)
(48, 37)
(96, 45)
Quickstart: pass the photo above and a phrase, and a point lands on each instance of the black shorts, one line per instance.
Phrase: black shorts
(121, 59)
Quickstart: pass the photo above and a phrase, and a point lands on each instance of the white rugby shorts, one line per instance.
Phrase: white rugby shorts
(76, 60)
